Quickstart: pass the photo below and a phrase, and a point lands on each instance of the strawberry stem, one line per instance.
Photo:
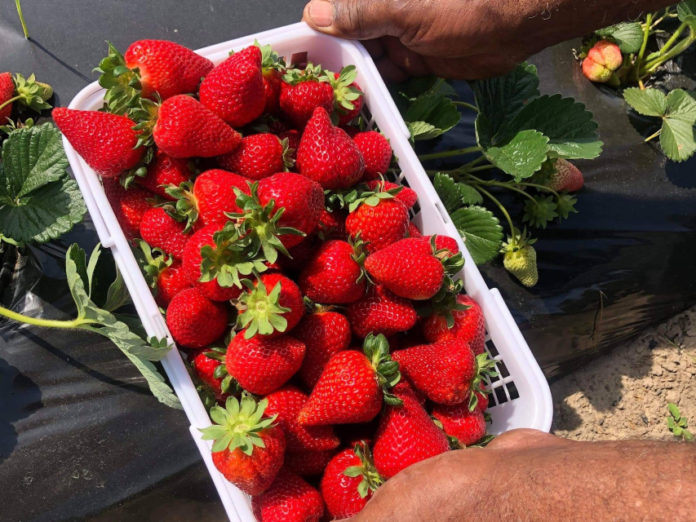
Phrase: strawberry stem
(449, 153)
(18, 4)
(7, 102)
(46, 323)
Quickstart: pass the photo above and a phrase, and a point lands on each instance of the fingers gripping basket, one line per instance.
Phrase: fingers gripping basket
(520, 395)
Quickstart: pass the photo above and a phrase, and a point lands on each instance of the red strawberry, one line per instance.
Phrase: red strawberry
(191, 264)
(379, 223)
(406, 195)
(289, 499)
(272, 69)
(286, 403)
(349, 481)
(161, 230)
(352, 386)
(210, 367)
(300, 255)
(380, 311)
(258, 156)
(413, 230)
(302, 199)
(185, 128)
(307, 463)
(107, 142)
(263, 364)
(482, 397)
(249, 447)
(332, 225)
(334, 275)
(194, 320)
(469, 325)
(327, 154)
(129, 206)
(566, 176)
(301, 93)
(7, 89)
(234, 89)
(446, 243)
(163, 273)
(165, 171)
(443, 371)
(458, 421)
(324, 334)
(348, 96)
(406, 435)
(376, 152)
(166, 68)
(270, 306)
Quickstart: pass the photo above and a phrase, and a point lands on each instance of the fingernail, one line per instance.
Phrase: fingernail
(321, 12)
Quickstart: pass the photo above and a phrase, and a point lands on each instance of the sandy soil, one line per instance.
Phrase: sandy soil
(624, 394)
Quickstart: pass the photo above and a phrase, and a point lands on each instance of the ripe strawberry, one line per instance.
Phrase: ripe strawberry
(209, 365)
(271, 305)
(263, 364)
(566, 176)
(324, 334)
(289, 499)
(272, 69)
(299, 255)
(7, 89)
(107, 142)
(482, 397)
(352, 386)
(413, 230)
(519, 258)
(258, 156)
(406, 195)
(234, 88)
(161, 230)
(249, 447)
(301, 93)
(194, 320)
(349, 481)
(332, 225)
(446, 243)
(334, 274)
(443, 371)
(166, 68)
(459, 422)
(469, 325)
(348, 96)
(185, 128)
(380, 311)
(327, 154)
(286, 403)
(129, 205)
(602, 60)
(376, 151)
(307, 463)
(165, 171)
(379, 223)
(406, 435)
(163, 273)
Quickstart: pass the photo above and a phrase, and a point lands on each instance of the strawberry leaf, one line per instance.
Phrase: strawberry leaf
(430, 115)
(627, 35)
(648, 102)
(453, 194)
(480, 230)
(522, 156)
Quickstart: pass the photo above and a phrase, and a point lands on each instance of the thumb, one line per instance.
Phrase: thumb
(356, 19)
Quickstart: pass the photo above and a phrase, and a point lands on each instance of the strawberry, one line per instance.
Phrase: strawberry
(404, 194)
(443, 371)
(163, 273)
(482, 397)
(209, 365)
(289, 499)
(446, 243)
(307, 463)
(332, 225)
(206, 201)
(249, 446)
(327, 155)
(468, 325)
(263, 364)
(7, 89)
(107, 142)
(348, 96)
(272, 69)
(413, 230)
(406, 435)
(185, 128)
(352, 386)
(349, 481)
(380, 221)
(286, 403)
(519, 258)
(602, 60)
(324, 334)
(566, 176)
(334, 274)
(258, 156)
(270, 306)
(459, 422)
(380, 311)
(194, 320)
(129, 205)
(376, 151)
(234, 88)
(301, 93)
(161, 230)
(165, 171)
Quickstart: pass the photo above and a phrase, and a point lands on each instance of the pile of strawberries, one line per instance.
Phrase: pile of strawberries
(258, 200)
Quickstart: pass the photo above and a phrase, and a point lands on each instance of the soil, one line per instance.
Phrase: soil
(624, 394)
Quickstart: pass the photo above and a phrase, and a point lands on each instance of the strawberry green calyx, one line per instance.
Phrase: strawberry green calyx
(228, 384)
(485, 367)
(359, 256)
(144, 114)
(238, 425)
(376, 348)
(231, 259)
(153, 261)
(122, 84)
(270, 60)
(444, 303)
(310, 73)
(452, 264)
(260, 312)
(30, 93)
(186, 206)
(371, 479)
(363, 195)
(287, 155)
(345, 93)
(519, 258)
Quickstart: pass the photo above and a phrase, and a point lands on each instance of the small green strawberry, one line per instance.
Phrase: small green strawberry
(520, 258)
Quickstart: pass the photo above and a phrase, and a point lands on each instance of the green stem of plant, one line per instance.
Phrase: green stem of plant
(21, 19)
(673, 39)
(467, 105)
(481, 167)
(644, 43)
(47, 323)
(651, 65)
(653, 135)
(449, 153)
(492, 183)
(500, 206)
(7, 102)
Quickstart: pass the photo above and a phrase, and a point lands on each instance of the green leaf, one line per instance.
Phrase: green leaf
(681, 105)
(453, 194)
(627, 35)
(481, 231)
(686, 9)
(674, 410)
(430, 115)
(522, 156)
(677, 138)
(117, 295)
(648, 102)
(422, 130)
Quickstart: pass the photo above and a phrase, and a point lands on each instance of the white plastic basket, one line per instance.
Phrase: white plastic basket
(520, 396)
